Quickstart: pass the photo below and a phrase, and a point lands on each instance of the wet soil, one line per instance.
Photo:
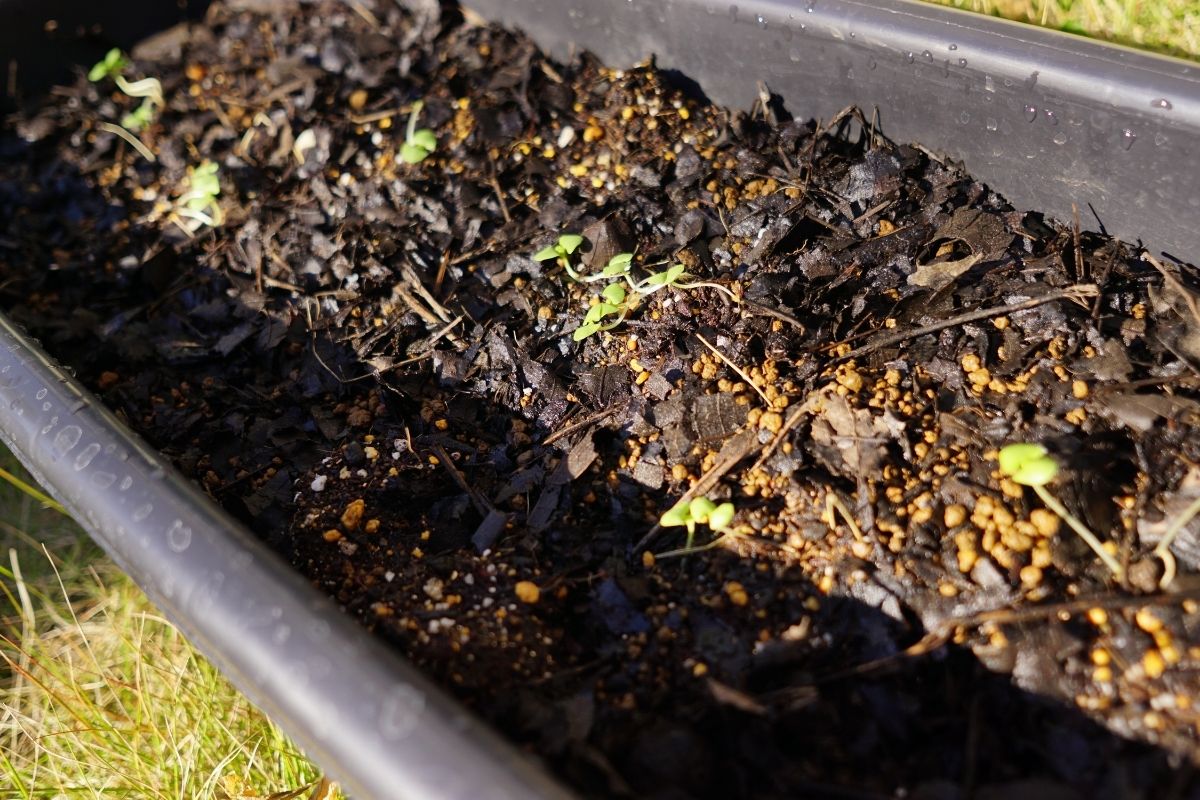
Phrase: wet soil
(363, 362)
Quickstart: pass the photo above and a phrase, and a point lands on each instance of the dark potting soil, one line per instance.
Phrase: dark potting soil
(363, 362)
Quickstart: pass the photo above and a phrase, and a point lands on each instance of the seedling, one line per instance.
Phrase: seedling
(418, 143)
(1031, 465)
(113, 63)
(198, 203)
(697, 511)
(561, 252)
(139, 118)
(149, 89)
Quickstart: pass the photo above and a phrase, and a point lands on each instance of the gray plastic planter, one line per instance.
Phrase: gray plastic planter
(1049, 120)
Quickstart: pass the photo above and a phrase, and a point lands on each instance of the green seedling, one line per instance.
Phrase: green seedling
(697, 511)
(113, 63)
(148, 89)
(198, 203)
(418, 143)
(561, 252)
(139, 118)
(1031, 465)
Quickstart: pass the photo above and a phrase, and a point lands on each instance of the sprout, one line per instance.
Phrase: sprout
(139, 118)
(418, 144)
(199, 201)
(1030, 464)
(113, 63)
(699, 510)
(561, 251)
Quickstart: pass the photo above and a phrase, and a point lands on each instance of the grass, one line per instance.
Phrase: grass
(1171, 27)
(102, 697)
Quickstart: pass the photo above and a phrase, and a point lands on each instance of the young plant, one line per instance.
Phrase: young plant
(698, 511)
(561, 252)
(113, 63)
(148, 89)
(1031, 465)
(418, 143)
(198, 203)
(139, 118)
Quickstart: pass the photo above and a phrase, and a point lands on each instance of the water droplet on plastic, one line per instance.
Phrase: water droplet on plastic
(871, 64)
(86, 455)
(761, 20)
(41, 394)
(910, 56)
(794, 54)
(953, 47)
(1050, 115)
(1162, 103)
(964, 117)
(1160, 139)
(142, 511)
(992, 124)
(1030, 113)
(125, 483)
(179, 536)
(400, 712)
(1128, 137)
(851, 34)
(66, 439)
(103, 480)
(962, 62)
(46, 406)
(1060, 138)
(928, 56)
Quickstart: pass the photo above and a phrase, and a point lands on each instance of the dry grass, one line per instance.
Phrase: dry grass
(1165, 26)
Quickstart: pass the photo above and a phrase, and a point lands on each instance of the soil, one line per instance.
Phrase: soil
(363, 362)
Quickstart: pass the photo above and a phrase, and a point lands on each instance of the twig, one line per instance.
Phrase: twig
(583, 423)
(735, 368)
(1076, 292)
(479, 501)
(767, 311)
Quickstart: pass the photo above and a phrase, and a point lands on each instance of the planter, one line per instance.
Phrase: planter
(1013, 104)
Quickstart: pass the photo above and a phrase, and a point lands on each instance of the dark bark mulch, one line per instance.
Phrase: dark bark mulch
(364, 363)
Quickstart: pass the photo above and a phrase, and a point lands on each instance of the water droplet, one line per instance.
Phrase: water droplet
(1128, 137)
(761, 20)
(41, 394)
(400, 712)
(910, 56)
(125, 483)
(1050, 115)
(1160, 139)
(103, 480)
(928, 56)
(962, 62)
(871, 63)
(1030, 113)
(142, 511)
(953, 47)
(964, 117)
(66, 439)
(794, 54)
(46, 406)
(179, 536)
(1060, 138)
(1162, 103)
(992, 124)
(86, 455)
(851, 34)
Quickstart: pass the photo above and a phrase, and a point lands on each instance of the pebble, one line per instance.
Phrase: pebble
(318, 483)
